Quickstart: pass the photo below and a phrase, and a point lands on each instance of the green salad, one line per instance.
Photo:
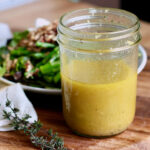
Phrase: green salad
(32, 58)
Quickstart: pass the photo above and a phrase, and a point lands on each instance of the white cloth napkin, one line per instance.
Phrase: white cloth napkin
(19, 100)
(39, 22)
(5, 34)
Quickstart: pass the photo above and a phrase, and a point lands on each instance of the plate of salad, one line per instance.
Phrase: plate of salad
(32, 58)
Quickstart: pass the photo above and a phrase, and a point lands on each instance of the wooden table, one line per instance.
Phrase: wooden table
(136, 137)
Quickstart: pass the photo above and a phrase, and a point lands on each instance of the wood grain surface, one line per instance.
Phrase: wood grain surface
(136, 137)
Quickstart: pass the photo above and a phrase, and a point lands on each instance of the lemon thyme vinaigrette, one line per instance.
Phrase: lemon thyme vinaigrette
(98, 49)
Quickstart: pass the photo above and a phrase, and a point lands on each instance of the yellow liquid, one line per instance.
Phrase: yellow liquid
(98, 97)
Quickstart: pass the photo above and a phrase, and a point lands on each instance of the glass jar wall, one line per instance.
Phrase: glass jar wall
(98, 49)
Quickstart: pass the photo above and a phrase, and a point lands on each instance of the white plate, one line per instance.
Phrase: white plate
(141, 64)
(142, 60)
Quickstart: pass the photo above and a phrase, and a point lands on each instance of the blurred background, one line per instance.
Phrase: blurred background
(21, 14)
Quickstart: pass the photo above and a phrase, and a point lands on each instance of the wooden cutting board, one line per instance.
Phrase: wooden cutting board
(136, 137)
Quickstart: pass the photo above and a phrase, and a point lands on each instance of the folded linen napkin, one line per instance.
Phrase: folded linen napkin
(19, 100)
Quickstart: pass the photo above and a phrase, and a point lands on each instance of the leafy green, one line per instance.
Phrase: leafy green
(57, 77)
(50, 68)
(21, 51)
(40, 69)
(3, 51)
(2, 71)
(21, 63)
(49, 79)
(38, 55)
(17, 36)
(44, 45)
(20, 35)
(47, 58)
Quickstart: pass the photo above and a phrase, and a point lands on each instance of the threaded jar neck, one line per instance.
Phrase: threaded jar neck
(99, 29)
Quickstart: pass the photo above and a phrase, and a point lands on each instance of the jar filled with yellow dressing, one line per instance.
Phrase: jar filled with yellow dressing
(99, 52)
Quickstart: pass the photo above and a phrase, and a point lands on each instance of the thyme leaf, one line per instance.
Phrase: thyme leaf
(51, 142)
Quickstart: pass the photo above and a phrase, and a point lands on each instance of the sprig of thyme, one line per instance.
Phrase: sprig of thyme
(52, 142)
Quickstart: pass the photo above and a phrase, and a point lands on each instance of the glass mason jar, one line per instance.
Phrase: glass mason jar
(99, 52)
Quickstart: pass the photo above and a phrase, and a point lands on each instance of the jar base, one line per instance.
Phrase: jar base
(97, 137)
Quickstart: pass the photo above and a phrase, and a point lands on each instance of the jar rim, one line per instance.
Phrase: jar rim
(105, 10)
(75, 26)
